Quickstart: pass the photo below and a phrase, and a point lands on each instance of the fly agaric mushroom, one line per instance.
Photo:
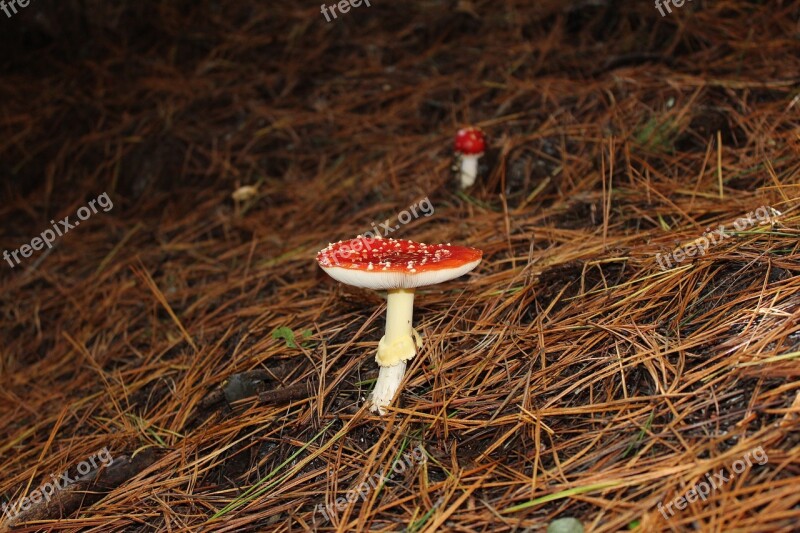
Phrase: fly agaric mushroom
(399, 267)
(470, 144)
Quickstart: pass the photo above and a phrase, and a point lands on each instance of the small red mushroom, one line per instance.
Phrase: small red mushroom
(470, 145)
(398, 266)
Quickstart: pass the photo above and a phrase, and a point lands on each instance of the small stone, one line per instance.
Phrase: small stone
(565, 525)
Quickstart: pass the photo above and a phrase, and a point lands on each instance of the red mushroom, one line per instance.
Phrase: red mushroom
(398, 266)
(470, 145)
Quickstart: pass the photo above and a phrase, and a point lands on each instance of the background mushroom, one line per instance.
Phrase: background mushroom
(469, 146)
(398, 266)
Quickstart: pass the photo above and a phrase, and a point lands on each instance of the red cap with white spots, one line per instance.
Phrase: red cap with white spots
(470, 141)
(386, 264)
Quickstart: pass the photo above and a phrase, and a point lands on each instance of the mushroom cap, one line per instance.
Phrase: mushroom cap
(470, 141)
(385, 264)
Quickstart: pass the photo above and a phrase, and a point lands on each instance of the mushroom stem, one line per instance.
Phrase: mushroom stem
(399, 314)
(469, 170)
(386, 387)
(395, 348)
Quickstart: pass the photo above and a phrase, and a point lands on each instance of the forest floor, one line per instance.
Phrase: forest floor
(178, 361)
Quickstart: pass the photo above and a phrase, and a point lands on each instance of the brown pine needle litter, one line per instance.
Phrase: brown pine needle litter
(627, 353)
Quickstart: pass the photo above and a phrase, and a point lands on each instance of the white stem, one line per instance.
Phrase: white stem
(399, 314)
(386, 387)
(469, 170)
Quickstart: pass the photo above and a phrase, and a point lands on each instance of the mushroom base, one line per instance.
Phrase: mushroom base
(386, 387)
